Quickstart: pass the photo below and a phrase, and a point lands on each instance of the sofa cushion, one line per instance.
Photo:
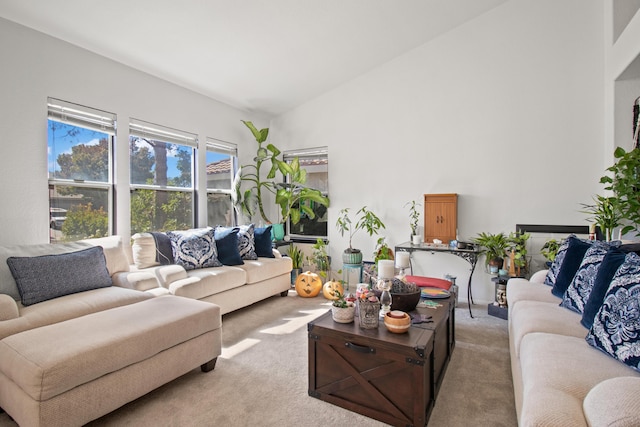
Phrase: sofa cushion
(164, 248)
(227, 245)
(69, 307)
(143, 250)
(266, 268)
(114, 253)
(50, 276)
(536, 316)
(616, 326)
(557, 374)
(264, 247)
(194, 248)
(246, 242)
(209, 281)
(610, 264)
(578, 291)
(523, 290)
(572, 260)
(554, 269)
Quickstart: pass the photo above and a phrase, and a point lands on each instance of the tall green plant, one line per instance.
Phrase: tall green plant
(366, 220)
(414, 216)
(625, 185)
(605, 213)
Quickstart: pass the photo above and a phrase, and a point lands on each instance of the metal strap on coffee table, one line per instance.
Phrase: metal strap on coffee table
(469, 255)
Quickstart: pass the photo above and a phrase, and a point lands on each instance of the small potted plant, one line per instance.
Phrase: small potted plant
(495, 247)
(296, 255)
(343, 310)
(320, 259)
(549, 250)
(365, 220)
(605, 214)
(414, 217)
(518, 246)
(382, 251)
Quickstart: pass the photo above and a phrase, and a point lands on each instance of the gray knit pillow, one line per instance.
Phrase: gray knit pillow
(42, 278)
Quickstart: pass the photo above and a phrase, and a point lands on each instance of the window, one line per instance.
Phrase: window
(162, 189)
(221, 168)
(79, 146)
(316, 162)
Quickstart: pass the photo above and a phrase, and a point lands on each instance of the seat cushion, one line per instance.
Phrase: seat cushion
(80, 350)
(266, 268)
(208, 281)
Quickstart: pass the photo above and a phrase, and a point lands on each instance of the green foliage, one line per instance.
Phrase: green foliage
(340, 302)
(495, 245)
(366, 220)
(320, 258)
(517, 242)
(624, 183)
(605, 213)
(550, 249)
(295, 253)
(414, 216)
(382, 251)
(88, 161)
(287, 195)
(176, 211)
(84, 222)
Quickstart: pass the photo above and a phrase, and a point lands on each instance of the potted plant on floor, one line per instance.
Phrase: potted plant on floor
(320, 258)
(414, 216)
(296, 255)
(624, 185)
(288, 195)
(365, 220)
(495, 246)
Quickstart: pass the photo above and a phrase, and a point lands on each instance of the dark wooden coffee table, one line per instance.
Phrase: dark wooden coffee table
(390, 377)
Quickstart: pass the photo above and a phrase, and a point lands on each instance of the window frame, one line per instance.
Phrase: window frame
(223, 147)
(93, 119)
(307, 154)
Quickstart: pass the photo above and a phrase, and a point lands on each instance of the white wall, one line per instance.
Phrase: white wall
(506, 111)
(35, 66)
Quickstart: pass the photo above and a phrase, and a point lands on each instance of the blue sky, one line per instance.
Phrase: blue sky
(59, 142)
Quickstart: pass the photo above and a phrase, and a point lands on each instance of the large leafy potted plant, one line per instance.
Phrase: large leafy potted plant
(625, 185)
(365, 219)
(495, 247)
(292, 197)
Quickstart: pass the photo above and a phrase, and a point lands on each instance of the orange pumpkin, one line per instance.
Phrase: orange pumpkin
(308, 284)
(329, 289)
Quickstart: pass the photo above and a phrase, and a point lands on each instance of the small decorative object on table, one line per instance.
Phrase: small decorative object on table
(397, 321)
(368, 310)
(405, 295)
(386, 271)
(343, 309)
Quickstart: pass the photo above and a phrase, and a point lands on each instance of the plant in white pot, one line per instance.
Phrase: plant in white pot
(343, 310)
(414, 217)
(366, 220)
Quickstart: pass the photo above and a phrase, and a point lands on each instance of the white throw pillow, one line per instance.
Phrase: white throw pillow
(144, 250)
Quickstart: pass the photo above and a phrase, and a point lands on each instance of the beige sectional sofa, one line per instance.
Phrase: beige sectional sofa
(559, 379)
(73, 348)
(229, 286)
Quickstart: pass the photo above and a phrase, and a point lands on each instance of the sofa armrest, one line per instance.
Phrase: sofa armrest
(276, 253)
(614, 402)
(137, 280)
(538, 276)
(8, 308)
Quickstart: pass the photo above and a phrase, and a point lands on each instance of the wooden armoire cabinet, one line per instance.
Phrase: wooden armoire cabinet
(440, 217)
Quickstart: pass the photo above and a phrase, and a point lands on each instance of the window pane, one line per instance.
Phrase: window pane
(158, 210)
(219, 171)
(317, 173)
(219, 209)
(77, 153)
(160, 163)
(77, 213)
(316, 227)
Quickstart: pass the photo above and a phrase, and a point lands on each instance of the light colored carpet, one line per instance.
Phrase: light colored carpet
(261, 378)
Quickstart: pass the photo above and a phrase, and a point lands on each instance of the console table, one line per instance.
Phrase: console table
(469, 255)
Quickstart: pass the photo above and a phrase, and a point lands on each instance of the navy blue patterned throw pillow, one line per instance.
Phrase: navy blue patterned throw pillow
(247, 243)
(227, 245)
(194, 248)
(572, 260)
(616, 327)
(550, 278)
(610, 264)
(579, 290)
(46, 277)
(264, 247)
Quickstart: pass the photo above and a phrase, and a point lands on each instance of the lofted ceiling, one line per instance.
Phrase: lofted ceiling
(265, 56)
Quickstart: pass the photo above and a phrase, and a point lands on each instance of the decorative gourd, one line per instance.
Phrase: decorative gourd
(329, 289)
(308, 284)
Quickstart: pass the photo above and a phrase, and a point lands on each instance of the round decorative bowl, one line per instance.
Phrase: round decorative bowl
(397, 322)
(405, 302)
